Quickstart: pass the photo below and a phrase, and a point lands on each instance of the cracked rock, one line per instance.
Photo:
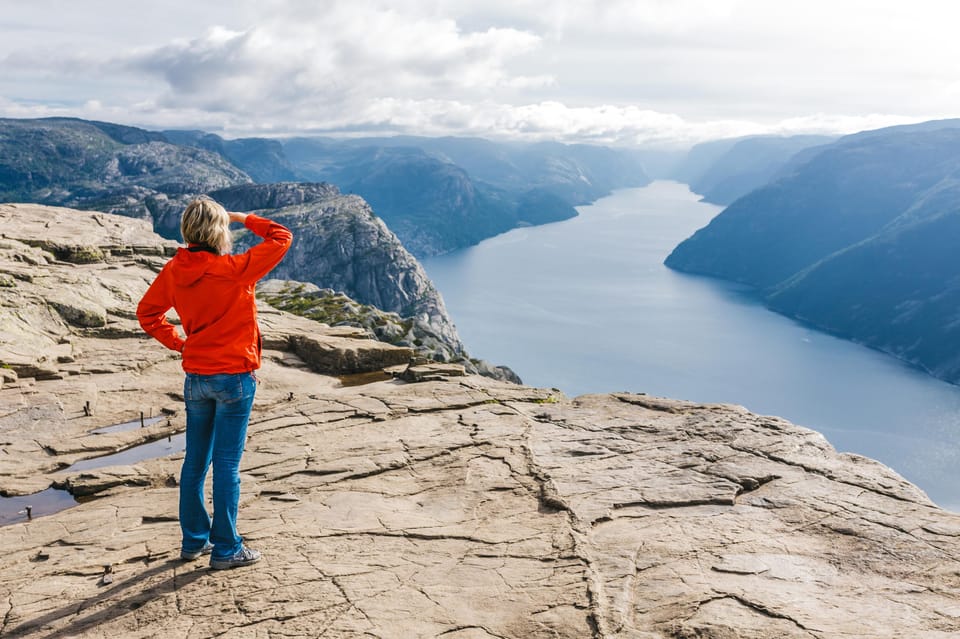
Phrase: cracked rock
(462, 508)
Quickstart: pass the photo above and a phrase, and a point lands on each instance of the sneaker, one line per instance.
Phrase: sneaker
(190, 556)
(243, 557)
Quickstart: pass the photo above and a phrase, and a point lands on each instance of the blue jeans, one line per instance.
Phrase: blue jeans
(218, 410)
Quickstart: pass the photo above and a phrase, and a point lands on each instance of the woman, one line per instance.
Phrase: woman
(213, 293)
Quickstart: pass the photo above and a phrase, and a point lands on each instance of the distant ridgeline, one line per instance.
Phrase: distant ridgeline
(437, 195)
(859, 237)
(724, 170)
(441, 194)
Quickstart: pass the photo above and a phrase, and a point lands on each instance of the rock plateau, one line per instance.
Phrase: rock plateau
(458, 507)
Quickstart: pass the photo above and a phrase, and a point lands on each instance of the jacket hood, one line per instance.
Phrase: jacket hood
(189, 266)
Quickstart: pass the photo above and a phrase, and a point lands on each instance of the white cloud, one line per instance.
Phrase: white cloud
(617, 71)
(347, 54)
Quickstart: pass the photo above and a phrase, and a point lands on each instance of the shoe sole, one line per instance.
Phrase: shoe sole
(190, 556)
(226, 564)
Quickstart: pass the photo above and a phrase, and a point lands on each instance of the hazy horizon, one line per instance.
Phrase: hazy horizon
(647, 73)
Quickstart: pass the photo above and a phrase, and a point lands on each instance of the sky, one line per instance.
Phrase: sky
(648, 73)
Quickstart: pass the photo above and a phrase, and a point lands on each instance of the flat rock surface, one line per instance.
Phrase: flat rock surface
(461, 508)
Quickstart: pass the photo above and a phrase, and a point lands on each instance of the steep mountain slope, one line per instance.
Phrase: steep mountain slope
(898, 291)
(421, 187)
(747, 165)
(843, 195)
(860, 241)
(433, 206)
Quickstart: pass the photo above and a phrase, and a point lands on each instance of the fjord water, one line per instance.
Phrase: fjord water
(587, 306)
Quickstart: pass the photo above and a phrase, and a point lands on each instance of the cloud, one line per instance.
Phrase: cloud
(350, 53)
(664, 72)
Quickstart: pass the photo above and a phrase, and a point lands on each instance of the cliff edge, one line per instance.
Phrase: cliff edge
(461, 507)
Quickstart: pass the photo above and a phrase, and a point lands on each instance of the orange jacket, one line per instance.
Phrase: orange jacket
(214, 297)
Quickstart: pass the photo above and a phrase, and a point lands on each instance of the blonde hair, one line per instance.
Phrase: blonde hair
(206, 222)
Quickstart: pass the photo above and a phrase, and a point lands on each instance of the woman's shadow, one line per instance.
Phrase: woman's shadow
(131, 601)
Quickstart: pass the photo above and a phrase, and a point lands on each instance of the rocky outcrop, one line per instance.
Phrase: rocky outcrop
(460, 507)
(336, 309)
(340, 244)
(274, 196)
(71, 283)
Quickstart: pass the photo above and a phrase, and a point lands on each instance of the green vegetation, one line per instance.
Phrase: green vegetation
(336, 309)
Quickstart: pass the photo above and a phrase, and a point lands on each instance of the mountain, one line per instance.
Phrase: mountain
(107, 167)
(441, 194)
(899, 292)
(432, 205)
(723, 171)
(262, 159)
(700, 158)
(437, 194)
(750, 164)
(859, 240)
(578, 173)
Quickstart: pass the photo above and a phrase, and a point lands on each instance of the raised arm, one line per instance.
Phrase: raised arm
(259, 260)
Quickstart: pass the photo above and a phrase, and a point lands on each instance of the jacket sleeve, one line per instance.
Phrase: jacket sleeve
(260, 259)
(152, 310)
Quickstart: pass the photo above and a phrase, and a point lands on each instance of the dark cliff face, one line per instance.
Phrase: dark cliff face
(859, 240)
(274, 196)
(341, 245)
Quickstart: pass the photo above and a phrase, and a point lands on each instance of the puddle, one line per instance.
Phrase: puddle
(151, 450)
(359, 379)
(52, 500)
(46, 502)
(124, 427)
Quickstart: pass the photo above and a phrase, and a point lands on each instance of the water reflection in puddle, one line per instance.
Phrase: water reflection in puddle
(150, 450)
(52, 500)
(124, 427)
(46, 502)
